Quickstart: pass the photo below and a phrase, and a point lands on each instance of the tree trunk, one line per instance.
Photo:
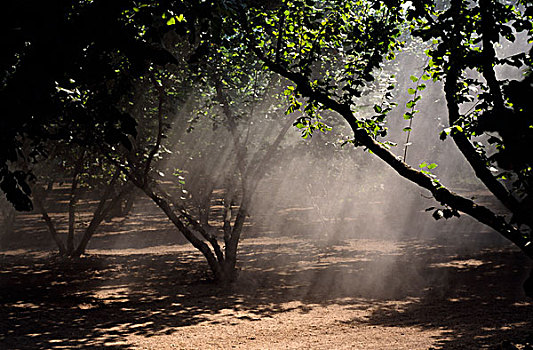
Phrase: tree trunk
(233, 237)
(215, 265)
(71, 224)
(528, 285)
(72, 204)
(101, 213)
(9, 215)
(37, 196)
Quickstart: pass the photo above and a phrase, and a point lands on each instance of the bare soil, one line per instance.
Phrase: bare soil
(141, 287)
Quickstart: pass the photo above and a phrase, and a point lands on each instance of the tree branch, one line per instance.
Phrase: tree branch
(47, 219)
(159, 137)
(439, 192)
(475, 160)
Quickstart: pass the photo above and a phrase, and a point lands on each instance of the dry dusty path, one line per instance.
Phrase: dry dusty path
(292, 293)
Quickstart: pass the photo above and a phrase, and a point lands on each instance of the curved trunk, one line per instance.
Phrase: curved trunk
(162, 203)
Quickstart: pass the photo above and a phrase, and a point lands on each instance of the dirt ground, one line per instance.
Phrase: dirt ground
(152, 291)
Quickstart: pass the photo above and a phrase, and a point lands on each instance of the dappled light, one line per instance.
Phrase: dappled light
(404, 294)
(276, 174)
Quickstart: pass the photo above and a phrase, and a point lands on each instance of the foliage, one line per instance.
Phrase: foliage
(499, 109)
(65, 69)
(335, 46)
(334, 51)
(67, 76)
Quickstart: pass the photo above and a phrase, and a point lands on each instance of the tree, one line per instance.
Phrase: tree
(231, 101)
(8, 217)
(331, 52)
(85, 80)
(87, 174)
(62, 77)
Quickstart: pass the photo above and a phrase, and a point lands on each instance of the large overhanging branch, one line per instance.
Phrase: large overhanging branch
(439, 192)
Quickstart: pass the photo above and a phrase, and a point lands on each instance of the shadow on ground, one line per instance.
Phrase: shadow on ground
(475, 297)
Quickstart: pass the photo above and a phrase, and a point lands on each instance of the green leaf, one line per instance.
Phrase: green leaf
(413, 78)
(377, 109)
(171, 21)
(432, 166)
(421, 87)
(423, 165)
(411, 91)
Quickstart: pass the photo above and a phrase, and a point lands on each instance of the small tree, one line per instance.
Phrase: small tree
(86, 173)
(238, 176)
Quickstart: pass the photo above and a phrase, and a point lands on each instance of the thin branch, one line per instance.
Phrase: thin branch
(263, 162)
(159, 137)
(412, 115)
(489, 54)
(232, 126)
(47, 219)
(281, 29)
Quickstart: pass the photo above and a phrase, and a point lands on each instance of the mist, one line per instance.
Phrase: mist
(317, 188)
(332, 195)
(266, 175)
